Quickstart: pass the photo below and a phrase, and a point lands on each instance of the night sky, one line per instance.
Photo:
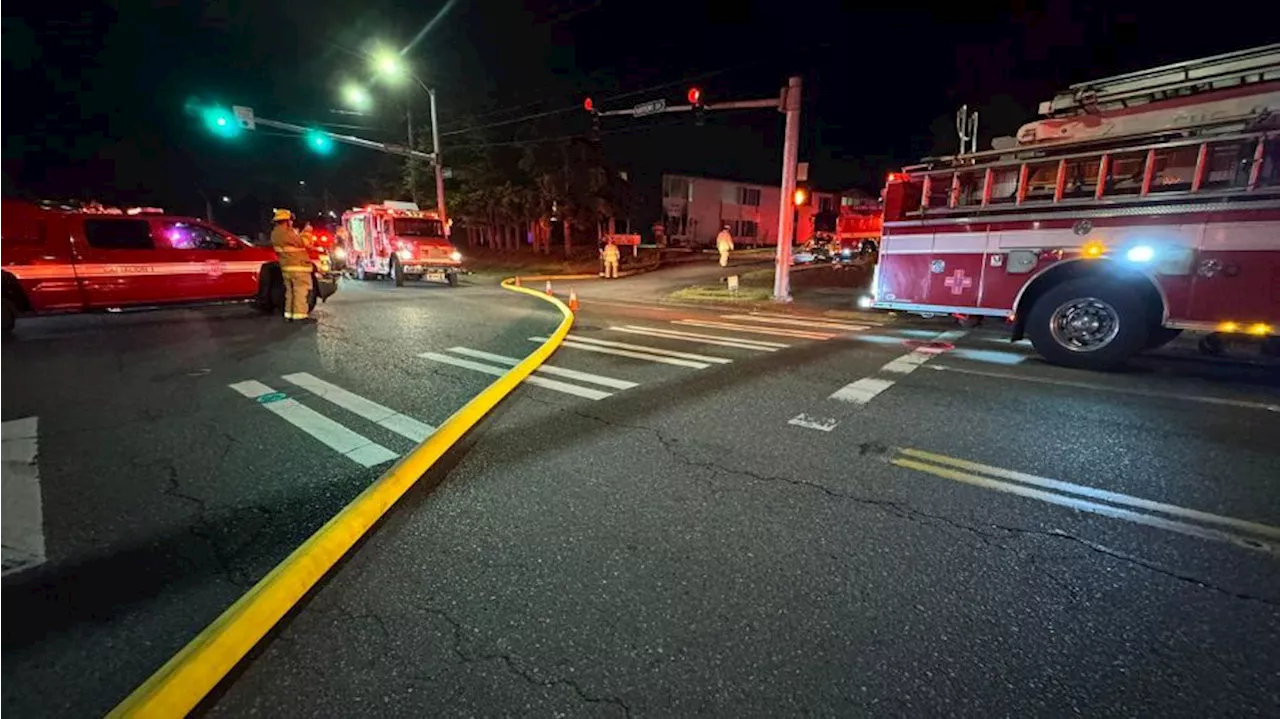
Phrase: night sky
(94, 92)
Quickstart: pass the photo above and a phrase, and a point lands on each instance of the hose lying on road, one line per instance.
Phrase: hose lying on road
(183, 682)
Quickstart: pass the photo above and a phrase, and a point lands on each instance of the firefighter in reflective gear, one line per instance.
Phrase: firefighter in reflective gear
(724, 243)
(295, 265)
(611, 256)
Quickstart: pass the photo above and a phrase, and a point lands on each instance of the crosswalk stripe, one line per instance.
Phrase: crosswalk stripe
(402, 425)
(791, 321)
(756, 329)
(720, 340)
(548, 369)
(836, 320)
(628, 353)
(989, 356)
(564, 387)
(862, 391)
(652, 350)
(354, 446)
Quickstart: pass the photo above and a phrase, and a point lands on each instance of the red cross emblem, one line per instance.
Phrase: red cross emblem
(958, 282)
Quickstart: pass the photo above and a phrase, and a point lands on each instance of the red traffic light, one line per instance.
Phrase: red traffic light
(695, 96)
(588, 105)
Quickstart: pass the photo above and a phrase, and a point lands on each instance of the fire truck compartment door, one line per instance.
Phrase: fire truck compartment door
(955, 272)
(1237, 273)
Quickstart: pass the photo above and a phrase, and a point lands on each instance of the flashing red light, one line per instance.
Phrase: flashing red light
(588, 105)
(695, 96)
(898, 177)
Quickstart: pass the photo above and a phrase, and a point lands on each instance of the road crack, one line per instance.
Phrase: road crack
(898, 509)
(511, 664)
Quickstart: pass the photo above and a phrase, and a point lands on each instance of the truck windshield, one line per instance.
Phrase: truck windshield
(418, 227)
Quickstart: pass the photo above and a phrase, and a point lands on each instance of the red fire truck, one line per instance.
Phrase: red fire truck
(1143, 205)
(399, 241)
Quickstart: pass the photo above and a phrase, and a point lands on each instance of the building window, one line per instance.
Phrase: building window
(748, 196)
(847, 201)
(826, 203)
(118, 234)
(744, 228)
(677, 188)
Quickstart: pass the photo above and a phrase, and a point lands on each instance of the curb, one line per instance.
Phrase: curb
(188, 677)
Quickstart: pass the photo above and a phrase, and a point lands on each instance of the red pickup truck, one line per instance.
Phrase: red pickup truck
(59, 260)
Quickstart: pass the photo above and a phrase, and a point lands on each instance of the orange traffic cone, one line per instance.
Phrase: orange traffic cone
(549, 288)
(517, 280)
(573, 300)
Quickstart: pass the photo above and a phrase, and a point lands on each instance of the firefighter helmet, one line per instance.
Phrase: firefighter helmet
(281, 215)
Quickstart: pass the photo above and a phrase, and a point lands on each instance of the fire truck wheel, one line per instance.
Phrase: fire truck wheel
(452, 279)
(1088, 323)
(270, 290)
(10, 315)
(397, 275)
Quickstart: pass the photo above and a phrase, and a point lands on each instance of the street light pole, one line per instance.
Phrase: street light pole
(790, 156)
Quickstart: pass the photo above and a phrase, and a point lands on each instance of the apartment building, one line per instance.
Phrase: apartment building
(695, 208)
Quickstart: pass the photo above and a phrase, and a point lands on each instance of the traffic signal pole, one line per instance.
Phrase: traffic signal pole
(386, 147)
(788, 102)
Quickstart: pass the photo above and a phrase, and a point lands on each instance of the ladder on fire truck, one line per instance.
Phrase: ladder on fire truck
(1255, 65)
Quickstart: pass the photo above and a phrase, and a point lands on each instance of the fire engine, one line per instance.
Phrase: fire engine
(858, 228)
(1142, 205)
(399, 241)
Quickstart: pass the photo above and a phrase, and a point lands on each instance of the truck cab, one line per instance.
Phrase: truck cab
(398, 241)
(69, 259)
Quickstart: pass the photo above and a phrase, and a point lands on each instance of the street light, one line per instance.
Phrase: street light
(390, 65)
(226, 200)
(356, 97)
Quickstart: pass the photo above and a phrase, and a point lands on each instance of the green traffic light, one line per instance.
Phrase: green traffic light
(221, 122)
(319, 142)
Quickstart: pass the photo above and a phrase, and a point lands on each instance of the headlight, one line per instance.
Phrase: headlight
(1140, 254)
(340, 252)
(866, 301)
(405, 254)
(455, 256)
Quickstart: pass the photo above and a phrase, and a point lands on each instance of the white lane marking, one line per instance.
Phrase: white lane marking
(794, 322)
(402, 425)
(1204, 399)
(632, 305)
(989, 356)
(861, 391)
(650, 350)
(547, 369)
(628, 353)
(838, 320)
(1263, 530)
(720, 340)
(822, 424)
(1087, 506)
(354, 446)
(565, 387)
(22, 515)
(756, 329)
(908, 363)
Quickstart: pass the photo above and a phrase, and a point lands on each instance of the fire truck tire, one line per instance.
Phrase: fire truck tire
(1158, 337)
(9, 316)
(397, 275)
(452, 279)
(1088, 324)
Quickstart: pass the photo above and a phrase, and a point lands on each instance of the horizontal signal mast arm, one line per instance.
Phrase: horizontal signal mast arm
(772, 102)
(349, 140)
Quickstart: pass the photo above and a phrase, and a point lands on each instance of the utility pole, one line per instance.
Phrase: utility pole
(787, 102)
(438, 162)
(790, 156)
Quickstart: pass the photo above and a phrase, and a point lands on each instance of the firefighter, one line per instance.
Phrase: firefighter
(295, 265)
(611, 256)
(724, 243)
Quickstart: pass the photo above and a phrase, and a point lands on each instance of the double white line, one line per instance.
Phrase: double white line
(1251, 535)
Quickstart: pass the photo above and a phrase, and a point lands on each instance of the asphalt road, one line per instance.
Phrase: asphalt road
(165, 491)
(695, 511)
(724, 538)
